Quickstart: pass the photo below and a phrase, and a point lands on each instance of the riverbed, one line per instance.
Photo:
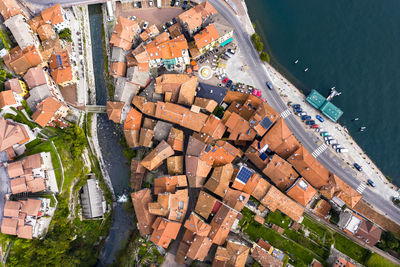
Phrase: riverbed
(109, 136)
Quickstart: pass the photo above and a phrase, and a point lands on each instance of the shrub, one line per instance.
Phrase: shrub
(264, 56)
(65, 34)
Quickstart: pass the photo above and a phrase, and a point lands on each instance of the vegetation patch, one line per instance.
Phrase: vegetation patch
(376, 260)
(65, 34)
(350, 248)
(21, 118)
(279, 219)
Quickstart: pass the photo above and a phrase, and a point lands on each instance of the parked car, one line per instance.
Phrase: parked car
(327, 138)
(371, 183)
(184, 4)
(227, 54)
(357, 166)
(225, 80)
(164, 28)
(172, 2)
(331, 142)
(256, 92)
(229, 83)
(133, 17)
(296, 106)
(305, 117)
(135, 4)
(150, 3)
(324, 134)
(177, 2)
(231, 51)
(174, 20)
(319, 118)
(310, 122)
(139, 4)
(269, 85)
(315, 126)
(233, 88)
(298, 110)
(301, 114)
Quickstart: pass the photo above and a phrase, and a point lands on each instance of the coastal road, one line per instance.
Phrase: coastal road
(310, 141)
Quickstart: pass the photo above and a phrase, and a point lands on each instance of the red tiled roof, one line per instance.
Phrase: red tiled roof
(301, 191)
(53, 14)
(164, 231)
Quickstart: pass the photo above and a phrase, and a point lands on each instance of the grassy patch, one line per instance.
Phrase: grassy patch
(5, 39)
(350, 248)
(26, 107)
(248, 216)
(307, 243)
(299, 254)
(279, 219)
(376, 260)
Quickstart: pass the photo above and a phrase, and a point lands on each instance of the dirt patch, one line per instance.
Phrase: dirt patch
(364, 208)
(157, 16)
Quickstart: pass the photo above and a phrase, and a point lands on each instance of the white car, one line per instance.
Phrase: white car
(133, 17)
(134, 4)
(177, 2)
(145, 25)
(150, 3)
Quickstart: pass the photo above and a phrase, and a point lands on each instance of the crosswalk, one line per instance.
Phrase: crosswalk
(360, 189)
(319, 150)
(285, 113)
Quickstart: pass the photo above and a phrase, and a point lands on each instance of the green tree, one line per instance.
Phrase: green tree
(264, 56)
(65, 34)
(75, 137)
(219, 112)
(257, 42)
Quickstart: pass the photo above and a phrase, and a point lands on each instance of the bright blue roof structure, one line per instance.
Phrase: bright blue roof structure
(331, 111)
(244, 174)
(316, 99)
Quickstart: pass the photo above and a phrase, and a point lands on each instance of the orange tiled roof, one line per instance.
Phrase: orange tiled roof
(235, 254)
(20, 61)
(60, 66)
(205, 103)
(46, 32)
(221, 224)
(238, 127)
(124, 32)
(206, 36)
(219, 181)
(256, 186)
(174, 84)
(114, 110)
(236, 199)
(280, 172)
(11, 208)
(260, 160)
(117, 69)
(180, 115)
(264, 258)
(175, 165)
(337, 187)
(168, 183)
(53, 14)
(205, 204)
(220, 154)
(146, 137)
(281, 140)
(9, 8)
(322, 208)
(7, 98)
(133, 120)
(175, 139)
(140, 201)
(11, 134)
(196, 225)
(199, 248)
(313, 171)
(214, 127)
(301, 191)
(164, 231)
(275, 199)
(9, 226)
(46, 111)
(168, 49)
(194, 17)
(156, 156)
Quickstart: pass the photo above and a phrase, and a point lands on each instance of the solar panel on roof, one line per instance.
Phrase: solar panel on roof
(244, 175)
(266, 123)
(59, 62)
(263, 156)
(208, 148)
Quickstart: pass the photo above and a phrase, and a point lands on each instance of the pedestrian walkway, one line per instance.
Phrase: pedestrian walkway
(360, 189)
(285, 113)
(319, 150)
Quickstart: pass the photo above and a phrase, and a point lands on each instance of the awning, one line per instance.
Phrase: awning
(227, 42)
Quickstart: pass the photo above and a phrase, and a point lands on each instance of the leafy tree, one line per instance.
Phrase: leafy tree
(75, 137)
(264, 56)
(389, 241)
(257, 42)
(65, 34)
(219, 112)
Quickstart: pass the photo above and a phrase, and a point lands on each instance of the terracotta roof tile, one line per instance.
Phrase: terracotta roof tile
(11, 133)
(175, 165)
(236, 199)
(9, 226)
(175, 139)
(336, 187)
(49, 110)
(18, 185)
(35, 77)
(199, 248)
(114, 110)
(53, 14)
(133, 120)
(275, 199)
(219, 181)
(264, 258)
(146, 137)
(31, 206)
(45, 32)
(195, 17)
(205, 204)
(138, 173)
(301, 191)
(169, 183)
(214, 127)
(9, 8)
(221, 224)
(156, 156)
(164, 232)
(7, 98)
(280, 172)
(205, 103)
(117, 69)
(281, 140)
(11, 208)
(140, 200)
(313, 171)
(206, 36)
(322, 208)
(196, 225)
(368, 233)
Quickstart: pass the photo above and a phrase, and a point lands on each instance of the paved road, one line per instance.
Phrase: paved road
(48, 3)
(260, 76)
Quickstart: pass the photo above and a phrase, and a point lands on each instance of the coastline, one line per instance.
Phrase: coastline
(291, 93)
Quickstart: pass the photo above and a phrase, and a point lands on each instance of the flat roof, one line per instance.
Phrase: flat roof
(331, 111)
(211, 92)
(316, 99)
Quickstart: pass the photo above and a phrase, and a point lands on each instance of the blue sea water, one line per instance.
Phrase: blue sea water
(353, 45)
